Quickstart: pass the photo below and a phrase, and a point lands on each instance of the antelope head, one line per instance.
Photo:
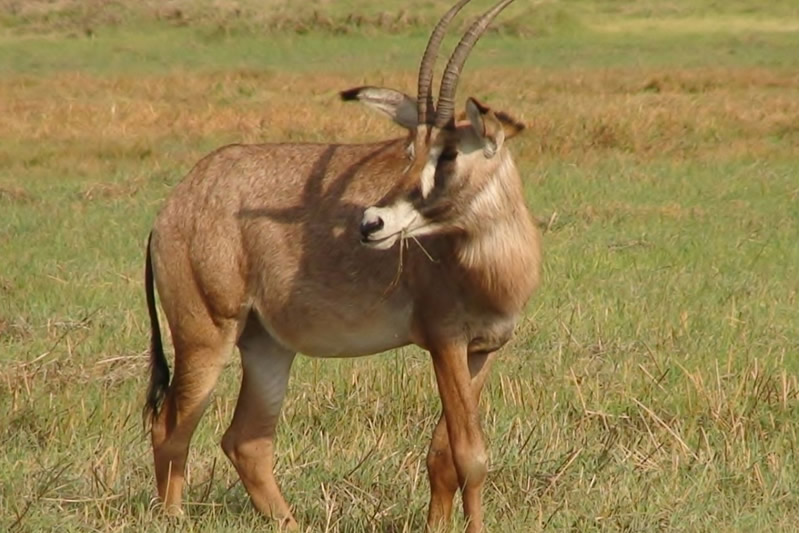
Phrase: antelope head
(459, 170)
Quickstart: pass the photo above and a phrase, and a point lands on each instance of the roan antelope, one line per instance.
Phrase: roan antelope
(287, 248)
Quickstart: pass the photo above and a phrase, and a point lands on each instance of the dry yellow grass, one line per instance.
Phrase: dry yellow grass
(571, 115)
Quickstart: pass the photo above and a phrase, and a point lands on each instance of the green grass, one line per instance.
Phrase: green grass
(155, 48)
(125, 37)
(653, 383)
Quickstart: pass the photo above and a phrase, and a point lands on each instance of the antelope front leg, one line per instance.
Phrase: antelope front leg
(441, 469)
(459, 395)
(443, 478)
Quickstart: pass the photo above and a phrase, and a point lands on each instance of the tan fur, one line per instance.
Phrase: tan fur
(259, 246)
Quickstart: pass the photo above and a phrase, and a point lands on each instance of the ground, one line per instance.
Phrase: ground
(653, 383)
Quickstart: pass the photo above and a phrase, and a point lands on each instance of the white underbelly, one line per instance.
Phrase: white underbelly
(357, 343)
(341, 336)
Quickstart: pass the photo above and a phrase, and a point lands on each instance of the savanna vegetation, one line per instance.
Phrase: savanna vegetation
(653, 383)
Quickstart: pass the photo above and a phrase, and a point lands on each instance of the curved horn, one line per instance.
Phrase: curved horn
(425, 107)
(447, 90)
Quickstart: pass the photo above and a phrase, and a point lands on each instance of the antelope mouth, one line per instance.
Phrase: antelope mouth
(381, 243)
(387, 241)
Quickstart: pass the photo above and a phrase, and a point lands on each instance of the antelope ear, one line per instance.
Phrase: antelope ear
(493, 128)
(399, 107)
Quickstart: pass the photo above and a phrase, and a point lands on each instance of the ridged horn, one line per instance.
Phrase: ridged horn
(445, 105)
(425, 108)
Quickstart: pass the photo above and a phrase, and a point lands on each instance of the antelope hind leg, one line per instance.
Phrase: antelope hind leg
(197, 367)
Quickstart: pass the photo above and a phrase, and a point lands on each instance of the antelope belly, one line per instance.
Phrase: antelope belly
(348, 334)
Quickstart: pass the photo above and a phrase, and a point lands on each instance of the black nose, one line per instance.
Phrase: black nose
(370, 227)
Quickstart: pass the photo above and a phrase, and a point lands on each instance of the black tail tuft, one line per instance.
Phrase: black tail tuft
(159, 370)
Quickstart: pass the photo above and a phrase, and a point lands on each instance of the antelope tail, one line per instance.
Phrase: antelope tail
(159, 370)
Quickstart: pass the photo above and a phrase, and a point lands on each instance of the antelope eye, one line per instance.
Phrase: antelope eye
(415, 196)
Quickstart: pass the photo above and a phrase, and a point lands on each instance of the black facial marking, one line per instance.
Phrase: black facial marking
(449, 153)
(444, 167)
(441, 209)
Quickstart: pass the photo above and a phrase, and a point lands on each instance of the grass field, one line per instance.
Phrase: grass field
(652, 385)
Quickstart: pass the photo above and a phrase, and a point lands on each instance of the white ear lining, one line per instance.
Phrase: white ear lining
(396, 105)
(491, 143)
(475, 118)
